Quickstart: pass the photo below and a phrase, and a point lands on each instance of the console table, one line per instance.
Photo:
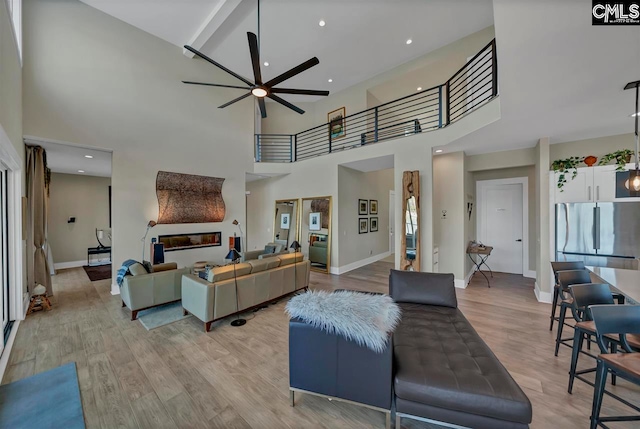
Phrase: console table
(97, 251)
(483, 253)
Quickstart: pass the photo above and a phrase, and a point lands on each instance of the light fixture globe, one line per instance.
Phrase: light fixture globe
(259, 92)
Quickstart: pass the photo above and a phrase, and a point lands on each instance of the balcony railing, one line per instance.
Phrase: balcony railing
(469, 88)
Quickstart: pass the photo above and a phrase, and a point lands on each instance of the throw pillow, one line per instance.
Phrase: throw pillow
(269, 249)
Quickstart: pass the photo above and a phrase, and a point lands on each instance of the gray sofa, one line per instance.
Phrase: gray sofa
(142, 290)
(259, 281)
(444, 371)
(251, 255)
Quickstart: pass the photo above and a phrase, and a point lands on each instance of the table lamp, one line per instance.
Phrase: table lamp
(234, 256)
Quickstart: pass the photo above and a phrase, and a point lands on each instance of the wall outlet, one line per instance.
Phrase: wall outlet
(444, 214)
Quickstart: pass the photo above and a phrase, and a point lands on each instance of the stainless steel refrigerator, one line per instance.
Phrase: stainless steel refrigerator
(600, 234)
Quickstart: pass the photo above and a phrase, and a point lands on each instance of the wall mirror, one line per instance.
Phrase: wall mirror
(285, 223)
(315, 232)
(410, 242)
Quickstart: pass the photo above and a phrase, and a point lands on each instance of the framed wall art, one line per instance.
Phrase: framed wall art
(373, 206)
(337, 123)
(314, 221)
(285, 220)
(362, 207)
(373, 224)
(363, 225)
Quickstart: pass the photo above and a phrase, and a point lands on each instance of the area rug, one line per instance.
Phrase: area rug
(98, 272)
(163, 315)
(50, 399)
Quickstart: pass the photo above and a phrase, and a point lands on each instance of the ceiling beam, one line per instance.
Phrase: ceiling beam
(211, 24)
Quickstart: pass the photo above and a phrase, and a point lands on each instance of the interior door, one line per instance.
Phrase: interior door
(501, 226)
(392, 221)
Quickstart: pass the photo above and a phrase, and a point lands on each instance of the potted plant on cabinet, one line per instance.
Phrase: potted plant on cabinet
(563, 166)
(622, 157)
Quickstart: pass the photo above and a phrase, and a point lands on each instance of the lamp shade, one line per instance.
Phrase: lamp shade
(151, 224)
(233, 255)
(295, 246)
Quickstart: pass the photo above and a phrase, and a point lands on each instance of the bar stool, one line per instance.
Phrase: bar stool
(561, 266)
(585, 295)
(621, 321)
(566, 279)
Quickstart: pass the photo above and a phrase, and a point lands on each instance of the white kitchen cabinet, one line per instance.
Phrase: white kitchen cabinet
(592, 184)
(577, 190)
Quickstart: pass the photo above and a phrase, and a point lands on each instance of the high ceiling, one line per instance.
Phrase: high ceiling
(361, 38)
(559, 76)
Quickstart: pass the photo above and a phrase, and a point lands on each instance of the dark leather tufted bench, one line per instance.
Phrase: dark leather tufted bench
(444, 372)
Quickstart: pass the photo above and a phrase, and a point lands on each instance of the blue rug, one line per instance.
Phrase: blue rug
(163, 315)
(48, 400)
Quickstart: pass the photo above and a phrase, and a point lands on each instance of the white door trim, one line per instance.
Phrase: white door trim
(524, 181)
(392, 226)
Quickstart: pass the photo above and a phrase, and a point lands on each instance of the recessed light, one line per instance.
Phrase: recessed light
(266, 63)
(419, 88)
(88, 156)
(439, 151)
(409, 41)
(322, 23)
(330, 80)
(80, 171)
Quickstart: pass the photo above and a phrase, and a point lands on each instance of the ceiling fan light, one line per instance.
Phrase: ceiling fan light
(259, 92)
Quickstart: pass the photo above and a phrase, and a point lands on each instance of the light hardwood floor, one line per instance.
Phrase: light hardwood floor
(177, 376)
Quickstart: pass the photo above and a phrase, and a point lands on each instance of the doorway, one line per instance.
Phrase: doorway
(502, 223)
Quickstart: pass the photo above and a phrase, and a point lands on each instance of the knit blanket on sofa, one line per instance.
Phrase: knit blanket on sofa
(367, 319)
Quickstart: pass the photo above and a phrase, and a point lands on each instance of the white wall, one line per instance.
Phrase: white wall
(449, 196)
(543, 218)
(87, 199)
(596, 147)
(352, 186)
(93, 80)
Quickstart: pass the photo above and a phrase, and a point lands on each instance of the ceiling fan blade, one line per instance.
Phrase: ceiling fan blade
(255, 57)
(285, 103)
(234, 100)
(299, 91)
(188, 82)
(220, 66)
(294, 71)
(263, 107)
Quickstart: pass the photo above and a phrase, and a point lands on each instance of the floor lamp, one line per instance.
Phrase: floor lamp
(150, 225)
(295, 246)
(234, 256)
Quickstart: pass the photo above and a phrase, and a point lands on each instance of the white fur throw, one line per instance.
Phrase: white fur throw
(361, 317)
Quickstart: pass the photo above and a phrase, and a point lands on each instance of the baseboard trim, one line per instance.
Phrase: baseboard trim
(463, 283)
(529, 274)
(115, 289)
(541, 296)
(4, 359)
(358, 264)
(71, 264)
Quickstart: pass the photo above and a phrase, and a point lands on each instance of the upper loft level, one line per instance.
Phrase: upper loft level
(470, 87)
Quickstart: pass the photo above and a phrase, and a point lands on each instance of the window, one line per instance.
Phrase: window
(15, 12)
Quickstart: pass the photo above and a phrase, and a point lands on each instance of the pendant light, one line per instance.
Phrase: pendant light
(633, 182)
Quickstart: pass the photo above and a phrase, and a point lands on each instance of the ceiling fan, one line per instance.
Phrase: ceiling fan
(258, 88)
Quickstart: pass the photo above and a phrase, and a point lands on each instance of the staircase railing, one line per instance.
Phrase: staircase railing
(470, 87)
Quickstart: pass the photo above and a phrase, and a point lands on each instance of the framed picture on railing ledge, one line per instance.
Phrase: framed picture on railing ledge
(337, 123)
